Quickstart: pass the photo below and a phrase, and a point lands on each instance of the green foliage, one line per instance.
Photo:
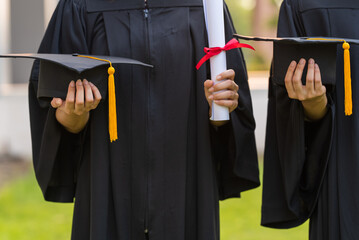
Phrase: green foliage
(24, 215)
(242, 18)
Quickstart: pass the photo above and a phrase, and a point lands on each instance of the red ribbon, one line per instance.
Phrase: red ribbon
(210, 52)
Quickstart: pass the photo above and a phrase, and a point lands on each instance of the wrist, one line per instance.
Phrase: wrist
(315, 108)
(322, 99)
(72, 122)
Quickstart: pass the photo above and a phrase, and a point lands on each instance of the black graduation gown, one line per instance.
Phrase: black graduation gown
(311, 169)
(166, 173)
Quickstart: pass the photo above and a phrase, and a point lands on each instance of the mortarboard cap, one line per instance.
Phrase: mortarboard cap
(57, 70)
(322, 50)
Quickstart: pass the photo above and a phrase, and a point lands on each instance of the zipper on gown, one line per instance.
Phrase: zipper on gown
(146, 230)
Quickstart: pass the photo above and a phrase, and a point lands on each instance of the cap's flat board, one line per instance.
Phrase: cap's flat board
(75, 63)
(299, 40)
(325, 57)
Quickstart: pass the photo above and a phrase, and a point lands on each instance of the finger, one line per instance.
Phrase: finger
(310, 76)
(88, 95)
(231, 104)
(288, 80)
(297, 78)
(56, 102)
(317, 78)
(70, 98)
(225, 85)
(80, 98)
(228, 74)
(208, 83)
(97, 95)
(208, 86)
(226, 95)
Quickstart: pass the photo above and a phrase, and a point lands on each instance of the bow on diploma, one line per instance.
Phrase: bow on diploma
(210, 52)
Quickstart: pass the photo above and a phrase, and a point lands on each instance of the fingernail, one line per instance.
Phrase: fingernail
(79, 82)
(293, 63)
(219, 77)
(210, 97)
(302, 61)
(85, 81)
(311, 61)
(211, 89)
(91, 84)
(316, 66)
(72, 84)
(58, 101)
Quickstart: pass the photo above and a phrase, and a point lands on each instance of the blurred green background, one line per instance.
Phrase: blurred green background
(256, 18)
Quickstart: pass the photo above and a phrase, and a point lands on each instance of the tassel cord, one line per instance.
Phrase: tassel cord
(112, 112)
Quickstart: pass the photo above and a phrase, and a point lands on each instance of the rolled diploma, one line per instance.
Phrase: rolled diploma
(213, 10)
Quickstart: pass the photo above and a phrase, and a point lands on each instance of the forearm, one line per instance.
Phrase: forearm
(72, 122)
(315, 109)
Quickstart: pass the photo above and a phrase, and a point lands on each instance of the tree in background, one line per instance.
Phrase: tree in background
(257, 18)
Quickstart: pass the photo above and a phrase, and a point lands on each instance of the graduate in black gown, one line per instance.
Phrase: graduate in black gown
(164, 176)
(311, 161)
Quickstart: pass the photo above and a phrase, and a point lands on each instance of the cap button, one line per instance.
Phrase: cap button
(346, 46)
(111, 70)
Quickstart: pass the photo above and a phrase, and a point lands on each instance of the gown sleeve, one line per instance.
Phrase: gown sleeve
(234, 143)
(56, 152)
(296, 151)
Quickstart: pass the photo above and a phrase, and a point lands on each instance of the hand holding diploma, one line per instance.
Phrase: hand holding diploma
(216, 52)
(224, 93)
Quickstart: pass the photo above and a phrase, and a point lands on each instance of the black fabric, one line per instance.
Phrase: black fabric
(305, 5)
(325, 55)
(112, 5)
(75, 62)
(57, 70)
(54, 81)
(164, 173)
(311, 168)
(285, 50)
(298, 40)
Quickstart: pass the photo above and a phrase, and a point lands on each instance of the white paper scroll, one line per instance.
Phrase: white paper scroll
(213, 11)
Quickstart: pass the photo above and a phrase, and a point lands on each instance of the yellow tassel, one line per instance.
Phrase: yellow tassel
(112, 112)
(348, 103)
(112, 117)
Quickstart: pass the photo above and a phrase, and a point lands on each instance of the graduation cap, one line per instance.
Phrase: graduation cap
(58, 70)
(323, 50)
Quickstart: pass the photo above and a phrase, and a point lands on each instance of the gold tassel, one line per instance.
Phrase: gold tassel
(348, 103)
(112, 112)
(112, 117)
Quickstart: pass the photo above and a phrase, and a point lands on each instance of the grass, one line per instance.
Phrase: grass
(24, 215)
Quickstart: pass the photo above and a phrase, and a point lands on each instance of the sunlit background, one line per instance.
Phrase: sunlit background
(24, 215)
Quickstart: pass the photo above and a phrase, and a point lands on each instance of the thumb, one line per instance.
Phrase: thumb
(207, 85)
(56, 102)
